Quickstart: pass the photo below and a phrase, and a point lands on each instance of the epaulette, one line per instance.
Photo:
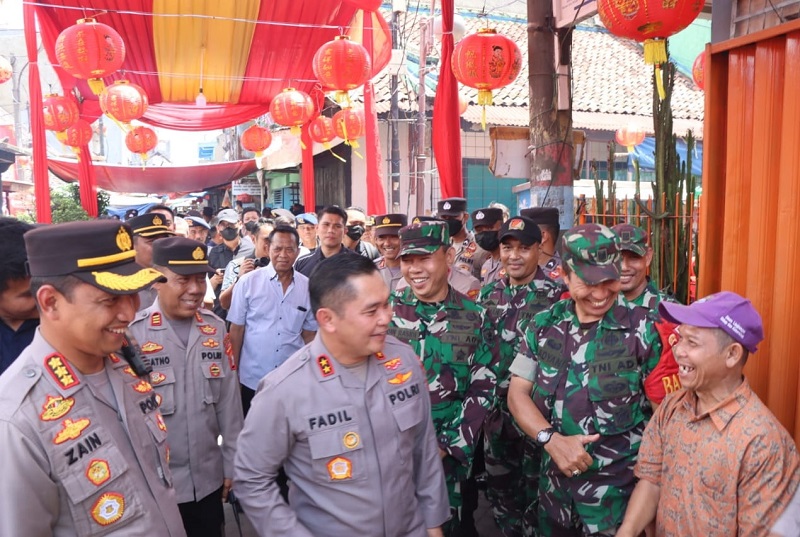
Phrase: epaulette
(293, 364)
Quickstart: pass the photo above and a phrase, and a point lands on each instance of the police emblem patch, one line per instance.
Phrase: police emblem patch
(56, 407)
(155, 319)
(157, 221)
(61, 371)
(198, 254)
(207, 330)
(150, 347)
(123, 238)
(392, 364)
(108, 508)
(214, 370)
(211, 343)
(340, 468)
(157, 377)
(70, 430)
(325, 366)
(98, 472)
(516, 224)
(351, 440)
(400, 378)
(143, 387)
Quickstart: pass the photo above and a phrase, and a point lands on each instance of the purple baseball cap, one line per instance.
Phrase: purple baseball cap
(726, 310)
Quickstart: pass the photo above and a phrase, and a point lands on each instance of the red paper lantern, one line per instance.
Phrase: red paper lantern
(651, 21)
(322, 131)
(78, 134)
(90, 50)
(256, 139)
(699, 71)
(366, 5)
(141, 140)
(6, 70)
(349, 125)
(342, 65)
(59, 112)
(124, 101)
(486, 61)
(292, 108)
(630, 136)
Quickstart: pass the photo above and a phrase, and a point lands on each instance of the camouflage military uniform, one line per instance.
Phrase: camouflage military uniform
(510, 309)
(650, 297)
(469, 256)
(589, 380)
(455, 342)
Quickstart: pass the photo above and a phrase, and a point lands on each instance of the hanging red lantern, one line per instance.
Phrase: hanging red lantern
(366, 5)
(630, 137)
(6, 70)
(78, 134)
(59, 112)
(124, 101)
(699, 70)
(342, 65)
(256, 139)
(322, 131)
(486, 61)
(650, 21)
(90, 50)
(141, 140)
(349, 125)
(292, 108)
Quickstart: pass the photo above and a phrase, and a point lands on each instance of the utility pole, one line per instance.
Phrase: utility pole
(394, 118)
(550, 128)
(426, 27)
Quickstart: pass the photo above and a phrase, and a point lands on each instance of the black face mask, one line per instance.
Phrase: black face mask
(355, 232)
(454, 226)
(229, 233)
(488, 240)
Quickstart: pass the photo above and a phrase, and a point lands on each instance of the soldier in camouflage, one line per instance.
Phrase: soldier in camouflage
(451, 335)
(579, 390)
(469, 257)
(511, 302)
(636, 257)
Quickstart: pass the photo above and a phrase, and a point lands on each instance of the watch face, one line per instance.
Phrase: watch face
(542, 437)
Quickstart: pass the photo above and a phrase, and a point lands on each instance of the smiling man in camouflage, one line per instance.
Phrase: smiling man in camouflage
(578, 389)
(451, 335)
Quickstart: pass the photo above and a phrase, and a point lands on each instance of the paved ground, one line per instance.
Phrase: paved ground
(483, 522)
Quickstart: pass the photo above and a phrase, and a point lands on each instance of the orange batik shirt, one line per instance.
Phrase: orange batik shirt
(729, 471)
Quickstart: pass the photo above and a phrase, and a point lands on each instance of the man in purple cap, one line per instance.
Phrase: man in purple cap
(714, 460)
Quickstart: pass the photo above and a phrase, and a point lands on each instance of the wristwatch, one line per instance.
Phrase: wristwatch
(544, 436)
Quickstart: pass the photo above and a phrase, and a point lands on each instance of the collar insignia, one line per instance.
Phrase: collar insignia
(155, 319)
(61, 371)
(325, 366)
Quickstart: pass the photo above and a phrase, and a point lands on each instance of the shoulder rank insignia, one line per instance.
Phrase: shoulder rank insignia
(157, 377)
(61, 371)
(340, 468)
(56, 407)
(143, 387)
(325, 366)
(211, 343)
(155, 319)
(207, 329)
(392, 364)
(160, 422)
(400, 378)
(114, 358)
(98, 472)
(108, 508)
(380, 355)
(151, 347)
(71, 430)
(198, 317)
(214, 370)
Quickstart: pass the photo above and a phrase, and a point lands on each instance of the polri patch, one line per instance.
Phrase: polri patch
(325, 365)
(340, 468)
(109, 508)
(98, 472)
(56, 407)
(61, 371)
(70, 430)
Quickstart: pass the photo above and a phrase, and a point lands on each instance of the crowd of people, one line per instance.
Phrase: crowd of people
(338, 373)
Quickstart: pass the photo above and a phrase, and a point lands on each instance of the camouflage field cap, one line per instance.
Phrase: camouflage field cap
(592, 252)
(424, 238)
(631, 238)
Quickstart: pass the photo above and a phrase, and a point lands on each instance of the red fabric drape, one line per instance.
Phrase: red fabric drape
(309, 188)
(376, 196)
(86, 181)
(40, 181)
(446, 122)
